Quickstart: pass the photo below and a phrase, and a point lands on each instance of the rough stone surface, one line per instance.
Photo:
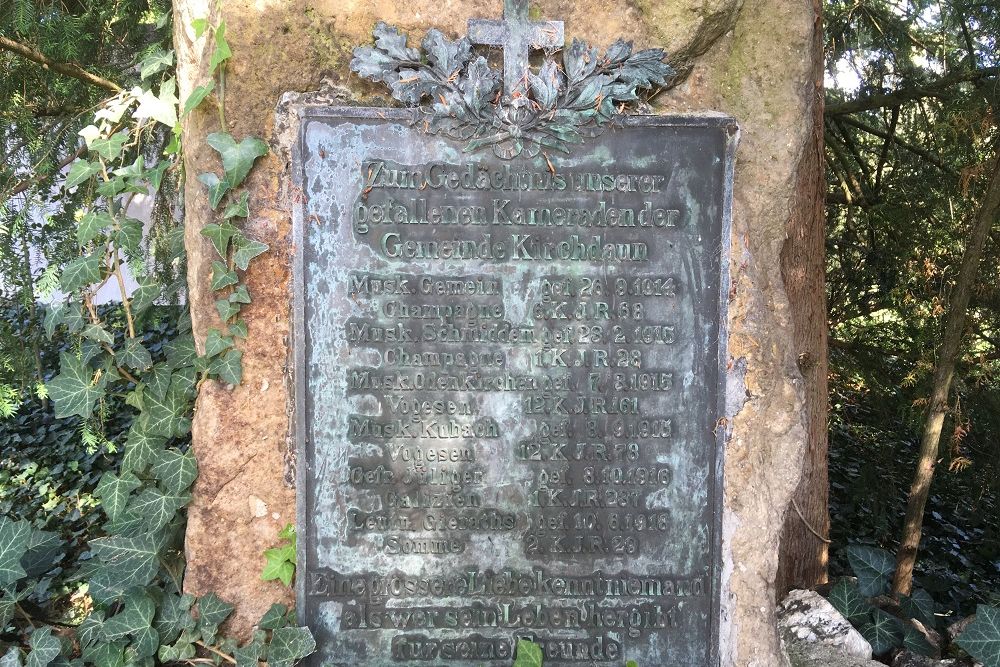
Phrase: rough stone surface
(804, 654)
(908, 659)
(805, 616)
(754, 60)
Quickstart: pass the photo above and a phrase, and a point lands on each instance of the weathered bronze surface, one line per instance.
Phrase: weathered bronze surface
(509, 375)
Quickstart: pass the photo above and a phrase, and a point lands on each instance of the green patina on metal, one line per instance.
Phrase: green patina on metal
(460, 95)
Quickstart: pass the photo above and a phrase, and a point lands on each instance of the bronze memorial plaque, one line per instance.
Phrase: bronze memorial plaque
(509, 376)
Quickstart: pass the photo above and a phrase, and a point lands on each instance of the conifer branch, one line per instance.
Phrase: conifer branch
(937, 88)
(67, 69)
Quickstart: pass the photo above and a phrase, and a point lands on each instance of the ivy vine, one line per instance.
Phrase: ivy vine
(138, 614)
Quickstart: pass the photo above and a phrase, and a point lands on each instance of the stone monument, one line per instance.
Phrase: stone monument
(504, 360)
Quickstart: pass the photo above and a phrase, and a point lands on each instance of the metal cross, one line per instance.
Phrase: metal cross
(517, 35)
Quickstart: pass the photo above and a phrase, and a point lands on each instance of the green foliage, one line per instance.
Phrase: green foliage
(122, 399)
(280, 560)
(529, 654)
(883, 631)
(982, 637)
(873, 567)
(849, 601)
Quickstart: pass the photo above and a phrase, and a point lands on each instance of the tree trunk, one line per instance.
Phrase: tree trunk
(803, 556)
(944, 370)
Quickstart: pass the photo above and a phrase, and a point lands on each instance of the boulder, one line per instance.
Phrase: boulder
(908, 659)
(814, 654)
(805, 617)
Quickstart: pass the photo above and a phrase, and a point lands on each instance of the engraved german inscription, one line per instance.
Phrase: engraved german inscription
(508, 384)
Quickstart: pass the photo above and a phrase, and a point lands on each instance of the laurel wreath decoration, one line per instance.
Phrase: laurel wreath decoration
(461, 96)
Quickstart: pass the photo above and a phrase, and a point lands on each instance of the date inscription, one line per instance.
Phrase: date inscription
(511, 380)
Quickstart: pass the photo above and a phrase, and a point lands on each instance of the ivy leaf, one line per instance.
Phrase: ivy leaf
(239, 208)
(981, 638)
(174, 616)
(91, 225)
(113, 492)
(919, 605)
(238, 328)
(73, 391)
(249, 654)
(155, 175)
(222, 276)
(216, 343)
(182, 650)
(45, 549)
(882, 631)
(165, 415)
(217, 189)
(197, 96)
(158, 381)
(73, 317)
(180, 351)
(130, 561)
(161, 108)
(14, 536)
(12, 658)
(274, 618)
(200, 26)
(246, 250)
(111, 147)
(240, 295)
(81, 171)
(98, 333)
(7, 608)
(222, 51)
(136, 616)
(529, 654)
(155, 509)
(79, 272)
(157, 61)
(54, 315)
(144, 295)
(228, 367)
(280, 564)
(175, 470)
(220, 235)
(873, 568)
(237, 158)
(105, 654)
(915, 642)
(128, 237)
(145, 642)
(226, 309)
(289, 645)
(212, 610)
(91, 629)
(133, 355)
(847, 599)
(132, 171)
(140, 448)
(44, 648)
